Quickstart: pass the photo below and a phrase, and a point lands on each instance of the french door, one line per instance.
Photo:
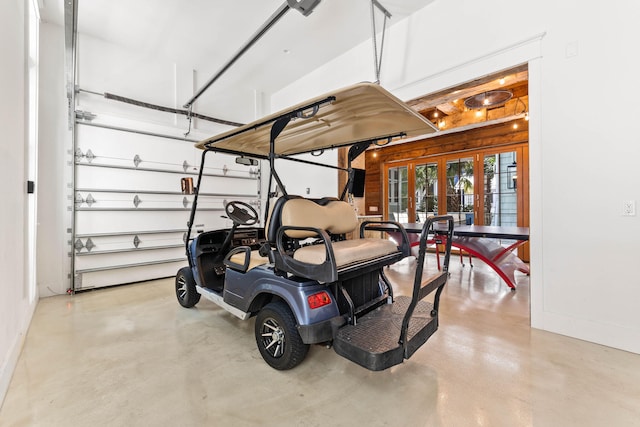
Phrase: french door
(488, 187)
(413, 189)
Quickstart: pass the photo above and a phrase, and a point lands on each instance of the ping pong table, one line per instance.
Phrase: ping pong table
(480, 242)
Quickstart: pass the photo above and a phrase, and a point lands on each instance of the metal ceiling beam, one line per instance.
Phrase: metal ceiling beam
(303, 6)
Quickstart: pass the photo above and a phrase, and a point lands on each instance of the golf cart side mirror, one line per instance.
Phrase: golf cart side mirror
(246, 161)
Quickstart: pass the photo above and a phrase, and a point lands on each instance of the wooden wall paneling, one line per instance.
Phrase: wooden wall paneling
(374, 205)
(475, 139)
(342, 163)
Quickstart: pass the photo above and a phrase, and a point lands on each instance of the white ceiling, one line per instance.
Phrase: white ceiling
(206, 33)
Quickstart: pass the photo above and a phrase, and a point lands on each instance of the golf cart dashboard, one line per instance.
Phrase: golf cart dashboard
(248, 237)
(212, 241)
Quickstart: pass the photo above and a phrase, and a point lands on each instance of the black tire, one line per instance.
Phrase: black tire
(277, 337)
(186, 288)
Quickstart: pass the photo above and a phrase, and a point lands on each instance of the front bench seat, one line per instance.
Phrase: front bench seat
(242, 258)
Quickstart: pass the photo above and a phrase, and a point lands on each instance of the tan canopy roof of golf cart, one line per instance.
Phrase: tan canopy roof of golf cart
(361, 112)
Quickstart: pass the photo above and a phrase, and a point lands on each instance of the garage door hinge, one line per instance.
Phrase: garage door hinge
(85, 115)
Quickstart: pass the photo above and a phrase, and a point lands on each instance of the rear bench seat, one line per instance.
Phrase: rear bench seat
(326, 220)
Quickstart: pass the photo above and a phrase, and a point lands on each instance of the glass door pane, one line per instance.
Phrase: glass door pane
(460, 190)
(398, 194)
(426, 176)
(500, 181)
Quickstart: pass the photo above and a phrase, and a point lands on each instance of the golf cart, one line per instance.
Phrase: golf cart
(299, 275)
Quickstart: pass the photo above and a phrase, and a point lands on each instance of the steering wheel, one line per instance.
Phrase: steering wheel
(241, 213)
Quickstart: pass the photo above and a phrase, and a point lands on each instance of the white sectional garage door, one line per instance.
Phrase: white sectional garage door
(130, 214)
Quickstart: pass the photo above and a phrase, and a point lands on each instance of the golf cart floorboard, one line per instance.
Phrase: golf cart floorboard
(373, 341)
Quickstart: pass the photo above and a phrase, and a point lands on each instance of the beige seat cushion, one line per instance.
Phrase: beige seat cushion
(347, 252)
(336, 217)
(256, 259)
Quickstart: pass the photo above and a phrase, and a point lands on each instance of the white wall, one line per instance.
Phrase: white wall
(16, 308)
(587, 286)
(583, 150)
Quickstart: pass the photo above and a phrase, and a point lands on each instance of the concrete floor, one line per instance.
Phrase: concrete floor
(131, 356)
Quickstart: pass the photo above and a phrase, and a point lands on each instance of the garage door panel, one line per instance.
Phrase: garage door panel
(99, 178)
(107, 144)
(96, 259)
(123, 221)
(98, 147)
(128, 242)
(103, 278)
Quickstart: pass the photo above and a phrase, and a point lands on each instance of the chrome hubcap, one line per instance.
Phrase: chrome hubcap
(182, 289)
(273, 337)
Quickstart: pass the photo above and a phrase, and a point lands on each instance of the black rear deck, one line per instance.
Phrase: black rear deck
(374, 341)
(391, 333)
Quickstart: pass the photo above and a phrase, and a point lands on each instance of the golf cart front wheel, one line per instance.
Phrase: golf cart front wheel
(186, 291)
(277, 337)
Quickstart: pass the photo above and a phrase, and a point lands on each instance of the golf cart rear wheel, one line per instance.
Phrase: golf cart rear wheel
(277, 337)
(186, 288)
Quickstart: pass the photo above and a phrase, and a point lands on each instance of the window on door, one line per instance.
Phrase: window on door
(460, 189)
(500, 199)
(412, 191)
(398, 194)
(426, 193)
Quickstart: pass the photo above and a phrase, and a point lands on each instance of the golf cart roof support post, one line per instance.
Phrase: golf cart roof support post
(349, 179)
(354, 151)
(194, 205)
(357, 149)
(276, 129)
